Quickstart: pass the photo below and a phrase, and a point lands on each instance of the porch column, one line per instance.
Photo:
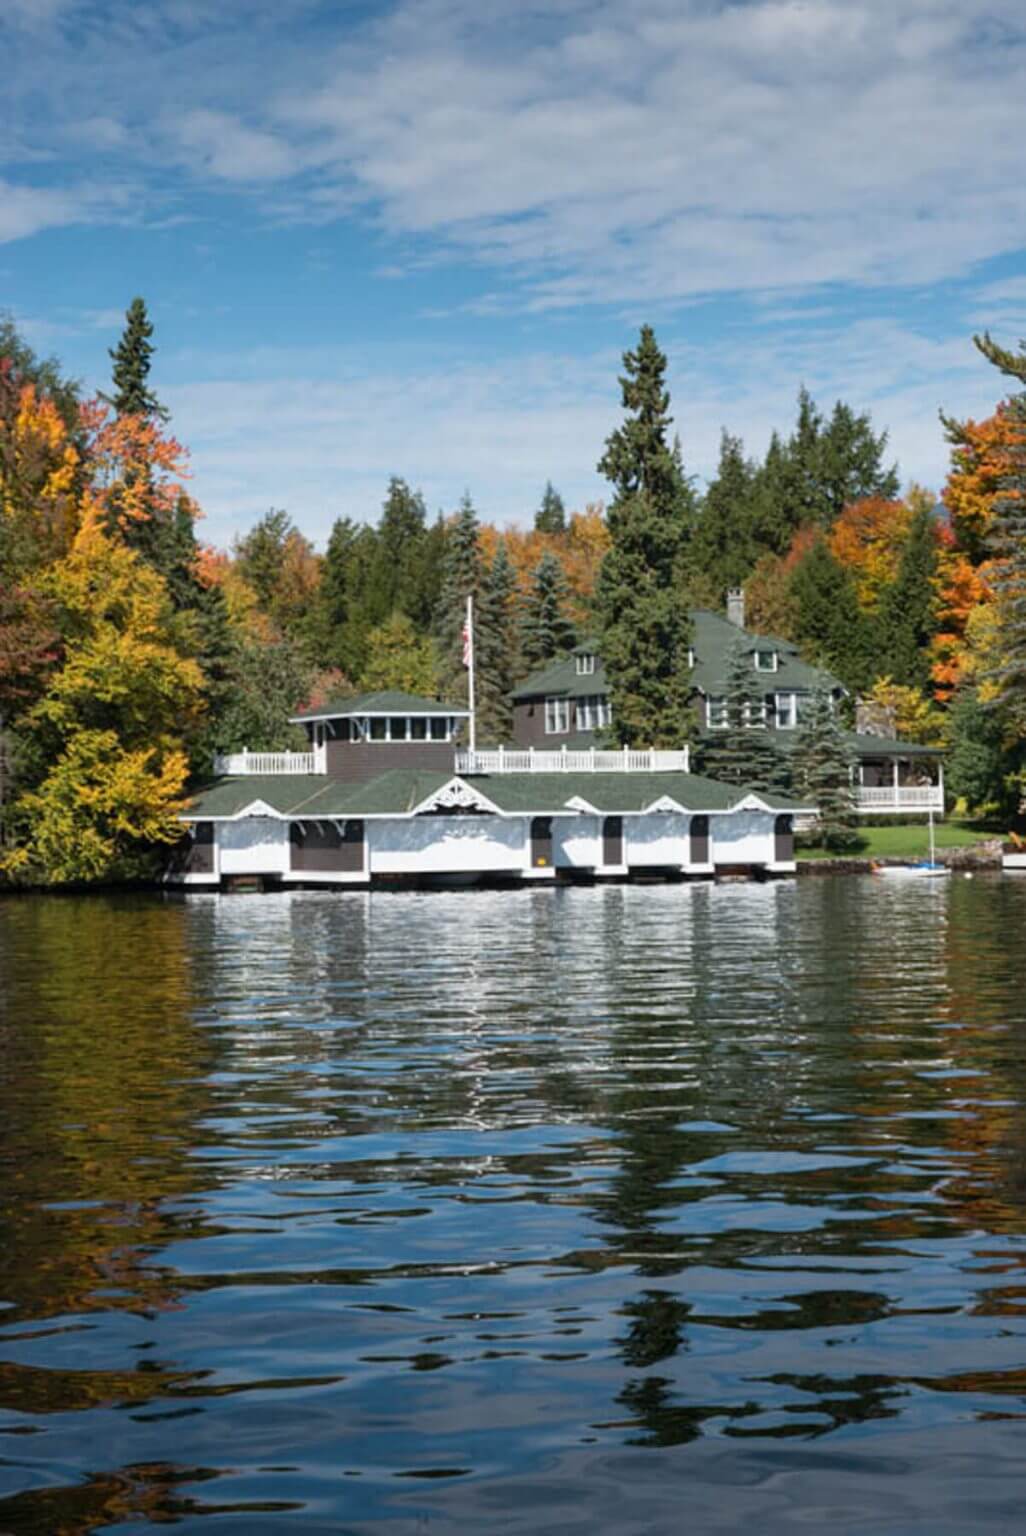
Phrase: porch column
(897, 797)
(940, 780)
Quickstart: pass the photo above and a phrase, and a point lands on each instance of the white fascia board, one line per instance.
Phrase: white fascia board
(254, 808)
(383, 714)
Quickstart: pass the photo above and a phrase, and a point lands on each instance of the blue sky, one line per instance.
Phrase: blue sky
(415, 238)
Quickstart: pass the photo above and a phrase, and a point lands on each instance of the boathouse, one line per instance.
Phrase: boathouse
(386, 795)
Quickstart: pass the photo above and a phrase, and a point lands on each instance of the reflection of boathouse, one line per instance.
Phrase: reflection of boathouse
(384, 795)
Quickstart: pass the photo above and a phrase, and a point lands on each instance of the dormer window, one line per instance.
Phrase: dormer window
(585, 664)
(765, 661)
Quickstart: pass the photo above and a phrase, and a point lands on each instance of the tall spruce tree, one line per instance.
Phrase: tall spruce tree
(546, 631)
(742, 752)
(851, 462)
(132, 395)
(644, 621)
(823, 773)
(340, 624)
(907, 618)
(396, 579)
(723, 546)
(829, 624)
(551, 515)
(463, 577)
(495, 657)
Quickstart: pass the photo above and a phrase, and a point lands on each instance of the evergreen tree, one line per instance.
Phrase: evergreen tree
(773, 524)
(396, 579)
(495, 654)
(551, 515)
(829, 624)
(644, 621)
(1007, 542)
(269, 682)
(742, 752)
(985, 760)
(906, 623)
(823, 773)
(131, 357)
(723, 547)
(339, 624)
(546, 631)
(462, 578)
(851, 466)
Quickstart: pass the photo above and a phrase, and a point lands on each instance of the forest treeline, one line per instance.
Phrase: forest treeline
(131, 652)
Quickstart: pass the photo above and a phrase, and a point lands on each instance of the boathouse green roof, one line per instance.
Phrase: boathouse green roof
(400, 791)
(389, 702)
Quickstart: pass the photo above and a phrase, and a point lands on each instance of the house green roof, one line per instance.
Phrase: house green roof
(715, 636)
(390, 702)
(399, 792)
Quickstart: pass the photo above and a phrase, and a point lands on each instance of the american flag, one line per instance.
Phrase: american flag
(467, 643)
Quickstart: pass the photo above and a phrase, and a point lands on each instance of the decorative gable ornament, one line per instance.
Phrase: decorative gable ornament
(257, 808)
(667, 803)
(457, 795)
(751, 802)
(578, 803)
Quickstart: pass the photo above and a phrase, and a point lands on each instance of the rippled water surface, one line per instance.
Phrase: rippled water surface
(640, 1209)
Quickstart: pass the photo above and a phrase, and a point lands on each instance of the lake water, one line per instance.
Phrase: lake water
(647, 1209)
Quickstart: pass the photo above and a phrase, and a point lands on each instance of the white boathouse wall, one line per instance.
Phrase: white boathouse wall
(660, 838)
(744, 837)
(443, 845)
(256, 845)
(576, 842)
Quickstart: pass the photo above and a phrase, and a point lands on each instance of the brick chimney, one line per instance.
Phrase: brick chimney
(736, 607)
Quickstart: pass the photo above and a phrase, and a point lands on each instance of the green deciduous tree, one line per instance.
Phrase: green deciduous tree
(397, 657)
(644, 621)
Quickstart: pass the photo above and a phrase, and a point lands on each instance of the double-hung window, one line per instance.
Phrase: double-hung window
(787, 711)
(717, 714)
(755, 712)
(593, 712)
(557, 717)
(585, 664)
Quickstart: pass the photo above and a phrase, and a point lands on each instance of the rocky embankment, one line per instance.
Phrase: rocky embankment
(983, 855)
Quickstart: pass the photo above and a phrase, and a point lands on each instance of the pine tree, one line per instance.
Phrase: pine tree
(396, 578)
(742, 752)
(723, 548)
(462, 578)
(906, 623)
(546, 631)
(644, 621)
(495, 650)
(851, 466)
(131, 357)
(773, 523)
(551, 515)
(829, 623)
(823, 773)
(339, 624)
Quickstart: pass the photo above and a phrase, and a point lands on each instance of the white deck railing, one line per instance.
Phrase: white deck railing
(629, 760)
(272, 763)
(901, 797)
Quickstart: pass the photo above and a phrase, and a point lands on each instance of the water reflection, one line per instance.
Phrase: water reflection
(328, 1212)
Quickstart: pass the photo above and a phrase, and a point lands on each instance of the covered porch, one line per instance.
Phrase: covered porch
(897, 777)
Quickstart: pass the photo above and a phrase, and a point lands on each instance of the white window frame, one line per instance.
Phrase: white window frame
(594, 712)
(785, 710)
(773, 661)
(557, 715)
(585, 664)
(717, 713)
(755, 714)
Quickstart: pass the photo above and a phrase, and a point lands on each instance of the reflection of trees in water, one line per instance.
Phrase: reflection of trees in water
(100, 1103)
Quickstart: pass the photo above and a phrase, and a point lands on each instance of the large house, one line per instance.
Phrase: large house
(385, 793)
(567, 703)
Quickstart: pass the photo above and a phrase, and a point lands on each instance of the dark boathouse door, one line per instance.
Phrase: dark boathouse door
(783, 840)
(541, 842)
(699, 839)
(612, 840)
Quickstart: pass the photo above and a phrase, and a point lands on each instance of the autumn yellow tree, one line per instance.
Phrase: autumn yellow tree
(107, 737)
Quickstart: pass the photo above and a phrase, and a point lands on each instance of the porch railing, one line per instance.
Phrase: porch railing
(592, 760)
(271, 764)
(901, 797)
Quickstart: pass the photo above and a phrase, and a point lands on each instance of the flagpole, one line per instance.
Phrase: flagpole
(470, 670)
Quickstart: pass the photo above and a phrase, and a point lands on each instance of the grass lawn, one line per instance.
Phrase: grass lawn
(906, 841)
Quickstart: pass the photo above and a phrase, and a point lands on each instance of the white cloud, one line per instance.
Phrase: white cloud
(222, 146)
